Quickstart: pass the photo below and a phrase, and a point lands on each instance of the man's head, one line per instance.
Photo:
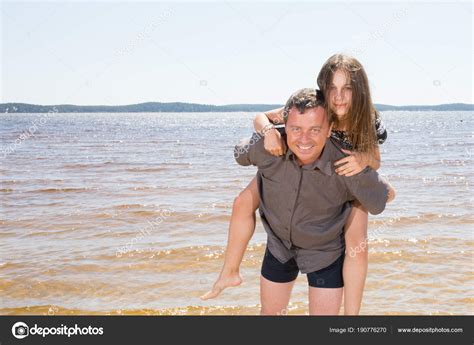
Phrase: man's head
(306, 125)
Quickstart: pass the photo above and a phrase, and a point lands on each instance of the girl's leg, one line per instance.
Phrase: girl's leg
(356, 259)
(241, 229)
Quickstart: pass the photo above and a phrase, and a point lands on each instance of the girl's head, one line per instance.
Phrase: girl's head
(345, 85)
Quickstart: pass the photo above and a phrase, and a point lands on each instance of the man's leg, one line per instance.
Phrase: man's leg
(326, 288)
(276, 283)
(324, 301)
(274, 297)
(241, 229)
(356, 259)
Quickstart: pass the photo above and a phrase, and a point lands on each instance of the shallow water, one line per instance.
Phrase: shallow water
(128, 214)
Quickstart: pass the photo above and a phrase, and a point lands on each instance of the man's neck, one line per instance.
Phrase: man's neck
(301, 163)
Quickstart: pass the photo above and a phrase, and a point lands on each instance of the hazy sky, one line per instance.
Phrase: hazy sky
(230, 52)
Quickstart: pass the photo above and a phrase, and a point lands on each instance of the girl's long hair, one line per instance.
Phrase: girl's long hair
(360, 120)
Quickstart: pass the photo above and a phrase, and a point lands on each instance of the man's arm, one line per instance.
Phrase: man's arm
(251, 152)
(370, 190)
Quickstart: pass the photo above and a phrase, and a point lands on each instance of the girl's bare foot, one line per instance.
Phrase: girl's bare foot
(225, 280)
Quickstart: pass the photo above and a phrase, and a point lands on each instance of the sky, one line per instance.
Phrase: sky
(227, 52)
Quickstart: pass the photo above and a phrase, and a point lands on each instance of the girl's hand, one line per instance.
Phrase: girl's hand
(273, 143)
(353, 164)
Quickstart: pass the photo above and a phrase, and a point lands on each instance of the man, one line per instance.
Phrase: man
(304, 205)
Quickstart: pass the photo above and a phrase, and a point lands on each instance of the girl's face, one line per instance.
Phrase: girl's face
(340, 94)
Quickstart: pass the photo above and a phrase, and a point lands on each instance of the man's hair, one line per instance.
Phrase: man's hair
(303, 100)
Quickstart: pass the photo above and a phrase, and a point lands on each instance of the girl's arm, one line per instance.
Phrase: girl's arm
(356, 162)
(372, 161)
(264, 125)
(263, 120)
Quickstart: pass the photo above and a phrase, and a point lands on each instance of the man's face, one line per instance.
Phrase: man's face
(307, 133)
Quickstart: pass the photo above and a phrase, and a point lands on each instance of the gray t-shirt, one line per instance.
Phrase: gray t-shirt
(304, 208)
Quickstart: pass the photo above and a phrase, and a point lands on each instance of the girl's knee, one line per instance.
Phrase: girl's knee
(356, 233)
(246, 201)
(355, 229)
(357, 207)
(243, 205)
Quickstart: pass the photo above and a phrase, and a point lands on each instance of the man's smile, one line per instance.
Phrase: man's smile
(304, 148)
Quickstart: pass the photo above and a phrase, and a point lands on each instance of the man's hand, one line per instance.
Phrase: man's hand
(273, 143)
(352, 164)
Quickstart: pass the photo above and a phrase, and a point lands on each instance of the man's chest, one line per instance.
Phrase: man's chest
(290, 188)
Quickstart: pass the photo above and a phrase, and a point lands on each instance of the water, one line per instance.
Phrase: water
(128, 214)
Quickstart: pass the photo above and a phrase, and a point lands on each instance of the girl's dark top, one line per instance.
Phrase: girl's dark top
(341, 138)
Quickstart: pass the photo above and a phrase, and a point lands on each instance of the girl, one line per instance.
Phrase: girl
(358, 131)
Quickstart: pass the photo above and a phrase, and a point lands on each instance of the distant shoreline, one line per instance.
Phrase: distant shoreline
(178, 107)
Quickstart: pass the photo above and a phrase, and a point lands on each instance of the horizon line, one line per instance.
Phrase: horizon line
(213, 105)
